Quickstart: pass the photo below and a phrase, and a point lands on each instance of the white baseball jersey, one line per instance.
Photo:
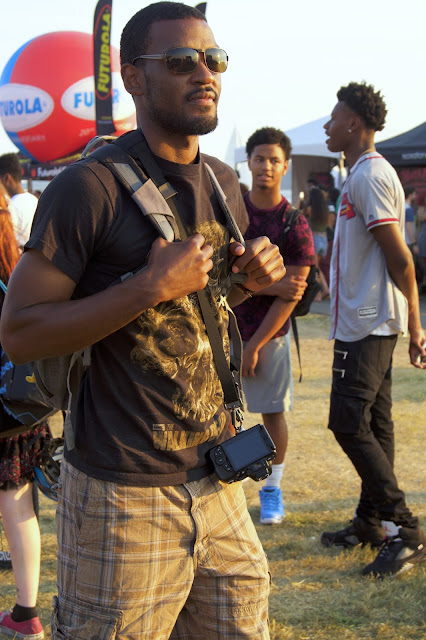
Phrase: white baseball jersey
(364, 298)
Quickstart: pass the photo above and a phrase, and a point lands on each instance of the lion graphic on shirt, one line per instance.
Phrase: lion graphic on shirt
(173, 344)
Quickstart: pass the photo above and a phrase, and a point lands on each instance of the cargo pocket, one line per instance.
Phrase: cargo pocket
(350, 398)
(74, 620)
(346, 413)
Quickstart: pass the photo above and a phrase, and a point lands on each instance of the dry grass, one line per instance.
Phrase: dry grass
(318, 593)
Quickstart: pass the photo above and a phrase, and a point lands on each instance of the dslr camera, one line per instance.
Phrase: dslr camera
(248, 454)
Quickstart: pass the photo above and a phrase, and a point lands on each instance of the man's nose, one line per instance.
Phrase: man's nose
(202, 73)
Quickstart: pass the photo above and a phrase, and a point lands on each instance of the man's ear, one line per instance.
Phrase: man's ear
(355, 123)
(285, 169)
(133, 79)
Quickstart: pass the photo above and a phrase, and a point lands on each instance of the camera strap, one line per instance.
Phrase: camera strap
(230, 377)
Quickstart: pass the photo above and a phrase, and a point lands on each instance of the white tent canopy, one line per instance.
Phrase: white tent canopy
(309, 154)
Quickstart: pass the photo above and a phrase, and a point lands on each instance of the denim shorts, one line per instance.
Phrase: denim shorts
(320, 243)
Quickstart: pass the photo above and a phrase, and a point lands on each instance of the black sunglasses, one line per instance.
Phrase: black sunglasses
(185, 59)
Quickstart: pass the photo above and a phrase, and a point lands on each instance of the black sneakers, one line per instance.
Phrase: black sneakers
(357, 532)
(398, 554)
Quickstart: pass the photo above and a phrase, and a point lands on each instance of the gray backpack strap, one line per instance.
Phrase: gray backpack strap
(143, 191)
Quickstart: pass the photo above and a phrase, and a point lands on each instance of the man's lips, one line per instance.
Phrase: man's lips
(203, 97)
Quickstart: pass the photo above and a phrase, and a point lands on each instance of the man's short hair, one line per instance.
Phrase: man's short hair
(408, 191)
(135, 35)
(9, 163)
(269, 135)
(366, 102)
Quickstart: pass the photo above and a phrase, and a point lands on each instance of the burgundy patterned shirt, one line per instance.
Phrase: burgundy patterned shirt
(299, 250)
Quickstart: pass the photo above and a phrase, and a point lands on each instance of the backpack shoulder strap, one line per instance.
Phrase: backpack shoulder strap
(296, 340)
(136, 145)
(141, 189)
(289, 219)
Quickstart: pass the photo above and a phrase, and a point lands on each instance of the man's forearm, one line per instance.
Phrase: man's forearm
(277, 315)
(291, 287)
(276, 290)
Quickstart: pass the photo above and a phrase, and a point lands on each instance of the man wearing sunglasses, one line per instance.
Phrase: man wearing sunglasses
(151, 545)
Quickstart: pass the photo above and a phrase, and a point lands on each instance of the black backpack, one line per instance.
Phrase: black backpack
(21, 399)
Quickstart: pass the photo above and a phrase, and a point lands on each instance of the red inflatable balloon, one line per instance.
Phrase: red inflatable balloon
(47, 102)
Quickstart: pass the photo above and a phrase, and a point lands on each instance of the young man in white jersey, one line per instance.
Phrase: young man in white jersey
(374, 298)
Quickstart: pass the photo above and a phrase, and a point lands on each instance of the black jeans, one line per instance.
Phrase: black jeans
(361, 419)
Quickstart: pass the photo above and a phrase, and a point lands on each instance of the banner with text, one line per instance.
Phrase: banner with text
(102, 67)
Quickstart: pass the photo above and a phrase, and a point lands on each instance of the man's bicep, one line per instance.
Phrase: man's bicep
(399, 261)
(392, 243)
(33, 302)
(36, 280)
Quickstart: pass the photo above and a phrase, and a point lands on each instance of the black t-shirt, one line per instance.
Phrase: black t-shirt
(150, 406)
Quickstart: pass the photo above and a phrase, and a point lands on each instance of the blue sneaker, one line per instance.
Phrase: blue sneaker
(271, 505)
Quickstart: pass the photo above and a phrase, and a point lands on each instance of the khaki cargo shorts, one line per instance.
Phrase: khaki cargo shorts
(138, 563)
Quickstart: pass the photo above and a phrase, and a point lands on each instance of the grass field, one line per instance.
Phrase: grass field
(317, 593)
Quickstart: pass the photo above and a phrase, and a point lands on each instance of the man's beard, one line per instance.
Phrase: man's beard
(179, 122)
(183, 124)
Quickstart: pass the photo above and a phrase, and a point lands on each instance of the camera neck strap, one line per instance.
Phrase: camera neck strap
(230, 379)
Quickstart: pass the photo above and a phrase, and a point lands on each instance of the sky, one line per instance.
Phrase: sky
(286, 59)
